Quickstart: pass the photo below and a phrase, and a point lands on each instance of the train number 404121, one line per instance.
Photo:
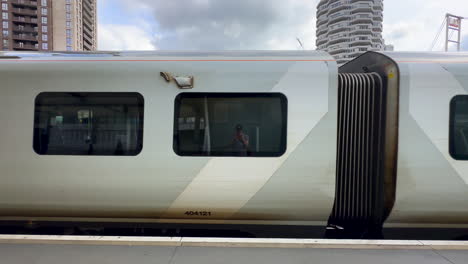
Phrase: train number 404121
(198, 213)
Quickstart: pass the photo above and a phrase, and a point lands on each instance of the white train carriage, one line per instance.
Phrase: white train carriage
(116, 136)
(235, 137)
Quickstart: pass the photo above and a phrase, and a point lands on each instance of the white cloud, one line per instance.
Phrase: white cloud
(410, 25)
(124, 37)
(413, 25)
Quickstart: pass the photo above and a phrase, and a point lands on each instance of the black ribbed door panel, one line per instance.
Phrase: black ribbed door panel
(361, 134)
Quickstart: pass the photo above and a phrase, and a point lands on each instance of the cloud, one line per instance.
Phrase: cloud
(255, 24)
(413, 25)
(240, 24)
(123, 37)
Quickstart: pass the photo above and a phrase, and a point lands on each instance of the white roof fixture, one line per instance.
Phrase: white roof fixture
(183, 82)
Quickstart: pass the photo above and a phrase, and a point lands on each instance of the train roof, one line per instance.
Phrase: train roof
(428, 57)
(258, 55)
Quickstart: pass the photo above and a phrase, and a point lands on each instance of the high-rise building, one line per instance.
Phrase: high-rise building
(26, 25)
(348, 28)
(46, 25)
(75, 25)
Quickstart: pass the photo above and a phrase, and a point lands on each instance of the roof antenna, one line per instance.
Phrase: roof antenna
(300, 43)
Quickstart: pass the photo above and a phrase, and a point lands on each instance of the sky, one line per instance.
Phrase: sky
(409, 25)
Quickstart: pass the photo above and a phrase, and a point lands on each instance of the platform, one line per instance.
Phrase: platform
(142, 250)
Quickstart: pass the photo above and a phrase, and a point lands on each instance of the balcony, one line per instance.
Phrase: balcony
(87, 40)
(361, 48)
(335, 7)
(25, 37)
(25, 29)
(338, 38)
(340, 51)
(323, 17)
(321, 47)
(322, 11)
(88, 5)
(361, 1)
(87, 20)
(24, 3)
(377, 28)
(338, 28)
(24, 12)
(20, 46)
(360, 43)
(361, 19)
(321, 31)
(361, 31)
(378, 6)
(24, 20)
(321, 41)
(378, 17)
(338, 17)
(338, 48)
(322, 21)
(361, 8)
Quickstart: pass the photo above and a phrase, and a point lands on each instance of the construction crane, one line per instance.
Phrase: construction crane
(452, 25)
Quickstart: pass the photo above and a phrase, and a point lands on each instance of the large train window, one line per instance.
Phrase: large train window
(458, 138)
(230, 124)
(109, 124)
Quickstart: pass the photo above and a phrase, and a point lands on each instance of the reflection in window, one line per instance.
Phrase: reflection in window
(459, 127)
(88, 124)
(230, 124)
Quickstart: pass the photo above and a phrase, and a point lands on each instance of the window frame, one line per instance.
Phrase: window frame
(141, 103)
(284, 130)
(452, 153)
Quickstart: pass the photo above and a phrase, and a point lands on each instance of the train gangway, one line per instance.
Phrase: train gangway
(19, 249)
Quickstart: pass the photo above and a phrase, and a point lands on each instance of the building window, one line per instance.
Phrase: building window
(5, 6)
(44, 20)
(69, 48)
(230, 124)
(5, 33)
(69, 41)
(44, 37)
(5, 43)
(5, 15)
(44, 11)
(68, 23)
(44, 29)
(69, 33)
(44, 2)
(5, 24)
(45, 46)
(85, 124)
(68, 8)
(68, 16)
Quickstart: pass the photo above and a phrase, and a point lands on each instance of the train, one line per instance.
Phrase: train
(235, 137)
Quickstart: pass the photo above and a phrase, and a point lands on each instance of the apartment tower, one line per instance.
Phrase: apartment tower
(26, 25)
(348, 28)
(47, 25)
(75, 25)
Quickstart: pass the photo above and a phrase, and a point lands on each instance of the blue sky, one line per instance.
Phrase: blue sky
(254, 24)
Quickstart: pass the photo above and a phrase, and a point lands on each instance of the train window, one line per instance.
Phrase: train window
(107, 124)
(458, 138)
(230, 124)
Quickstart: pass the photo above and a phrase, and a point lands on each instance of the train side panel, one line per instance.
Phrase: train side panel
(157, 183)
(432, 187)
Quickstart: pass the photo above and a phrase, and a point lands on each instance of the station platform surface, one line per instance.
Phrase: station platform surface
(18, 249)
